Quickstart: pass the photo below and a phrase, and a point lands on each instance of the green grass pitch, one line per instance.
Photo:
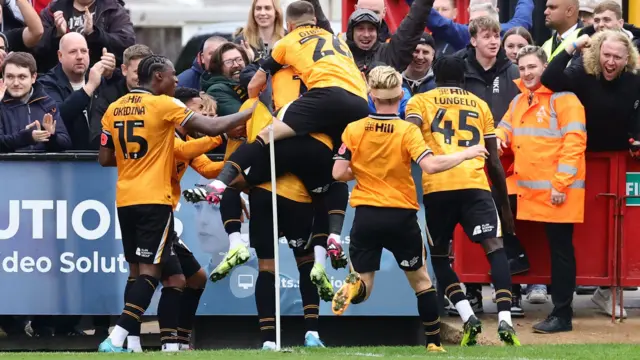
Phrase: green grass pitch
(370, 353)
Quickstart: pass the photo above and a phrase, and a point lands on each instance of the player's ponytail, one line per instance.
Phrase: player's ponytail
(385, 85)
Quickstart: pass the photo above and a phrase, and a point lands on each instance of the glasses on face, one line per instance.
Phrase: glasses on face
(230, 62)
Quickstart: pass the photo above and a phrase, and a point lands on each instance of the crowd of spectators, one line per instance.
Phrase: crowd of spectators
(64, 63)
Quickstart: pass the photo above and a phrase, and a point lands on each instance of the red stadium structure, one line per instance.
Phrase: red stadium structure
(606, 244)
(396, 11)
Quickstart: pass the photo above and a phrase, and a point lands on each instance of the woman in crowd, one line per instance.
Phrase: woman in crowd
(264, 27)
(607, 84)
(515, 39)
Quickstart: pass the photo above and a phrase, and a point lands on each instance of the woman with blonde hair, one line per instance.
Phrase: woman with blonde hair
(209, 105)
(265, 26)
(606, 82)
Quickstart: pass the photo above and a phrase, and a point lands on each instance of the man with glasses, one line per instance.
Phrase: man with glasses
(222, 79)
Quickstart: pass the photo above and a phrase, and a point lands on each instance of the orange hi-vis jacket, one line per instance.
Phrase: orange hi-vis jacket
(548, 139)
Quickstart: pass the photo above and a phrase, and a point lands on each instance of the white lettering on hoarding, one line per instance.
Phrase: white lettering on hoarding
(38, 208)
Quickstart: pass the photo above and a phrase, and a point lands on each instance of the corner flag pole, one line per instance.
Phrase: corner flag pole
(276, 245)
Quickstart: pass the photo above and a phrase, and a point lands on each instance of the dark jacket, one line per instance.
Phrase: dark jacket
(457, 35)
(420, 86)
(112, 29)
(112, 91)
(609, 106)
(16, 115)
(74, 106)
(495, 86)
(631, 29)
(228, 93)
(190, 78)
(398, 51)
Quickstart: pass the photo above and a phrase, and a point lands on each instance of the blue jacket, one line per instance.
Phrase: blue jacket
(401, 107)
(427, 84)
(457, 35)
(190, 78)
(16, 115)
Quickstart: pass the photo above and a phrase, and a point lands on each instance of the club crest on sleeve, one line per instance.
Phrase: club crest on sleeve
(103, 139)
(343, 149)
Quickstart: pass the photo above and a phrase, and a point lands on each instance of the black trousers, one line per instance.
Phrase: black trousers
(563, 268)
(563, 262)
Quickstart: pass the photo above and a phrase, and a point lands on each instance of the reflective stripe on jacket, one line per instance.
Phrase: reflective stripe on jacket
(548, 139)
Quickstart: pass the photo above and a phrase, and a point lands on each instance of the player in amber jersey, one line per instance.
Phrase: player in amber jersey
(336, 92)
(138, 138)
(453, 119)
(377, 152)
(189, 152)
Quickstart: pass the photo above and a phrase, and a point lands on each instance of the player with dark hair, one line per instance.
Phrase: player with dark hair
(138, 138)
(336, 96)
(453, 119)
(377, 152)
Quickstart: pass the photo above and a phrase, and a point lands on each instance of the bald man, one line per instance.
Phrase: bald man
(561, 16)
(72, 86)
(190, 78)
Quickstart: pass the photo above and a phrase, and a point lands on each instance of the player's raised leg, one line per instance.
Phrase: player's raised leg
(333, 80)
(231, 212)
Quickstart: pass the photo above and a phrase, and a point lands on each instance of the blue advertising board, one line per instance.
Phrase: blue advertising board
(61, 254)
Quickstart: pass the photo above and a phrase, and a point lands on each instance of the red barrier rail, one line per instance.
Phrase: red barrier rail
(599, 242)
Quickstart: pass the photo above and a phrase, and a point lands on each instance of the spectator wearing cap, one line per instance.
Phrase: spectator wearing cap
(607, 15)
(456, 35)
(190, 78)
(29, 118)
(418, 77)
(378, 7)
(362, 37)
(21, 37)
(586, 11)
(103, 23)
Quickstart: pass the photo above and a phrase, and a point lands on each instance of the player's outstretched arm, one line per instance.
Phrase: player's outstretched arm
(499, 182)
(218, 125)
(432, 164)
